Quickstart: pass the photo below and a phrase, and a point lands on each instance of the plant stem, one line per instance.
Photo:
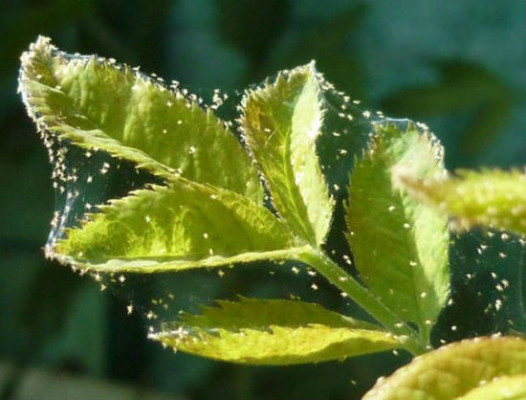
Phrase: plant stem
(363, 297)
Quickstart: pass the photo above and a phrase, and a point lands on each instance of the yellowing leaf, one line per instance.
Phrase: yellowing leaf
(400, 246)
(492, 198)
(459, 371)
(97, 104)
(282, 121)
(274, 332)
(185, 225)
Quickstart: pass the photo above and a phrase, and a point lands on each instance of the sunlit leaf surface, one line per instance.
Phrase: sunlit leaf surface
(282, 121)
(504, 388)
(97, 104)
(491, 198)
(275, 332)
(460, 371)
(400, 247)
(185, 225)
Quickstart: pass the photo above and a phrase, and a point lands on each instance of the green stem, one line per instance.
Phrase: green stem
(363, 297)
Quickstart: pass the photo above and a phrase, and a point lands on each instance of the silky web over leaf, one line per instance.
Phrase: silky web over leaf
(260, 313)
(492, 198)
(157, 194)
(184, 225)
(97, 104)
(282, 121)
(456, 370)
(400, 247)
(274, 332)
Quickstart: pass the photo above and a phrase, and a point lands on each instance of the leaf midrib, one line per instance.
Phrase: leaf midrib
(300, 208)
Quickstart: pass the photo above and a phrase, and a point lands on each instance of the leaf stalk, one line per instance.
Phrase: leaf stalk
(336, 275)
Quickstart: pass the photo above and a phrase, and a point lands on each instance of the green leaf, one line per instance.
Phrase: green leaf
(459, 371)
(185, 225)
(492, 198)
(258, 314)
(503, 388)
(400, 246)
(282, 121)
(275, 332)
(97, 104)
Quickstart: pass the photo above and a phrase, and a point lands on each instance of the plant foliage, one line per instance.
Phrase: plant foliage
(491, 198)
(221, 197)
(482, 368)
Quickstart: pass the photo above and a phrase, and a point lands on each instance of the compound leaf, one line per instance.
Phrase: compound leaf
(400, 246)
(460, 371)
(275, 332)
(97, 104)
(282, 121)
(184, 225)
(492, 198)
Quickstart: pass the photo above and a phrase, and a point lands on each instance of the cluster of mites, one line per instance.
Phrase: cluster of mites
(58, 152)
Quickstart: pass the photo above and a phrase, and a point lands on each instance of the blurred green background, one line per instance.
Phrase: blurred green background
(459, 66)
